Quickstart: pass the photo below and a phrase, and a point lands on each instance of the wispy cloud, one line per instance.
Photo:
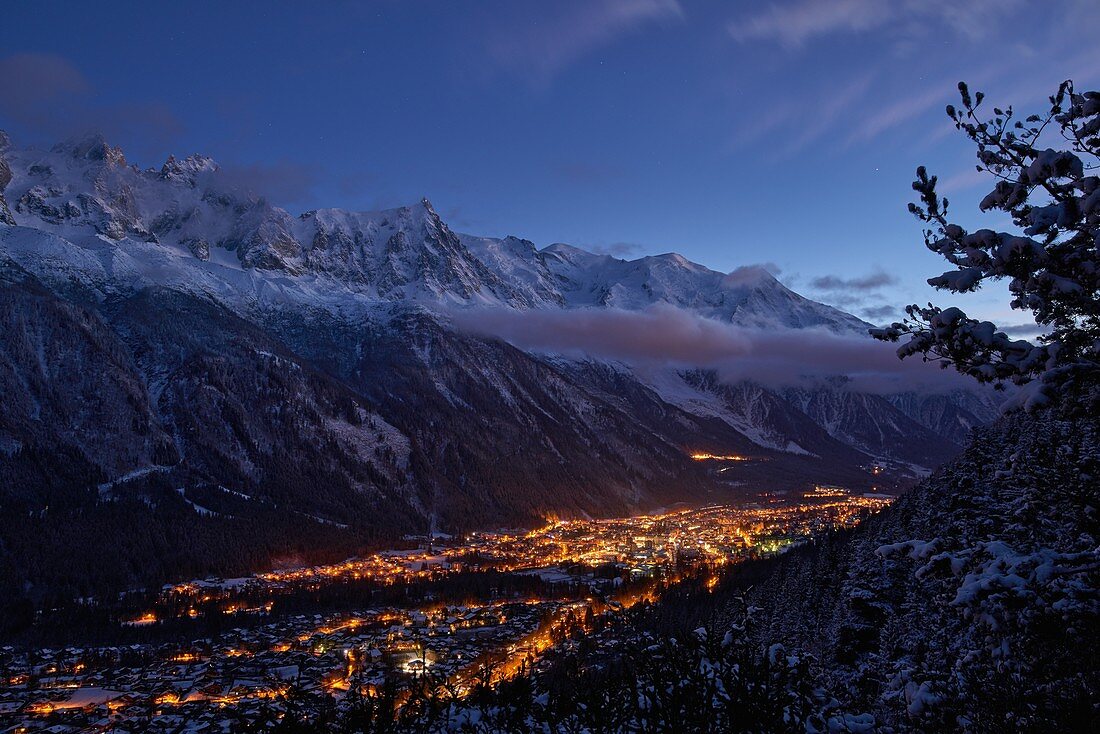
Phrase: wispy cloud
(901, 111)
(769, 266)
(835, 104)
(622, 250)
(283, 182)
(862, 294)
(798, 122)
(964, 180)
(667, 336)
(46, 95)
(870, 282)
(556, 35)
(30, 84)
(793, 24)
(881, 313)
(901, 99)
(458, 217)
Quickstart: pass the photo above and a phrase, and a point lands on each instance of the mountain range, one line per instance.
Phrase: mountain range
(197, 381)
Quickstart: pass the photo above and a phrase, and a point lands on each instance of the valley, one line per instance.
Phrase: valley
(248, 387)
(408, 618)
(576, 367)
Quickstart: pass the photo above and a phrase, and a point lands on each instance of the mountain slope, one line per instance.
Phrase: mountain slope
(952, 416)
(871, 424)
(61, 371)
(188, 355)
(972, 600)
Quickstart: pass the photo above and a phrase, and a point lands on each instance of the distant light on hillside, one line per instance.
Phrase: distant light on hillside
(700, 456)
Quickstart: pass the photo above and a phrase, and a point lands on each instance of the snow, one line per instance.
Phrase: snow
(204, 511)
(90, 696)
(371, 434)
(323, 521)
(106, 487)
(101, 215)
(550, 575)
(139, 230)
(671, 386)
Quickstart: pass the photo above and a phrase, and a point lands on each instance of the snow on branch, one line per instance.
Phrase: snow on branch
(1052, 263)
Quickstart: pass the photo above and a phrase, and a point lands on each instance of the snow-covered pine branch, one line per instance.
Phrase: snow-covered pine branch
(1052, 263)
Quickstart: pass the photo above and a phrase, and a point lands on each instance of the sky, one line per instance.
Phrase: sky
(782, 133)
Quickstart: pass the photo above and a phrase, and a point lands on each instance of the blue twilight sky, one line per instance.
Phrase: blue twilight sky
(782, 132)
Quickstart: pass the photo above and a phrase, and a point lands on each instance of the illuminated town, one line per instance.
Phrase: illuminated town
(547, 585)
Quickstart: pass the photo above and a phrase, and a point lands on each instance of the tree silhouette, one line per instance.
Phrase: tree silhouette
(1052, 264)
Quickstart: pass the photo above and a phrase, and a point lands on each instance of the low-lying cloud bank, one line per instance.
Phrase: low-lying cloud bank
(668, 336)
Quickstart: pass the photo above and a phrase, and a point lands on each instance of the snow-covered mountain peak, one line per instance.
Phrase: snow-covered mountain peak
(750, 276)
(91, 147)
(576, 256)
(676, 260)
(408, 253)
(188, 169)
(427, 207)
(188, 207)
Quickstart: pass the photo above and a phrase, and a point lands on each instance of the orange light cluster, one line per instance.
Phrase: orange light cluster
(147, 618)
(702, 456)
(656, 551)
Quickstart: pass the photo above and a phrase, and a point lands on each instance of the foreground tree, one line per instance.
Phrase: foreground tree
(1052, 263)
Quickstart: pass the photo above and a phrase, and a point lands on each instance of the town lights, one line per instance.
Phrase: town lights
(603, 566)
(703, 456)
